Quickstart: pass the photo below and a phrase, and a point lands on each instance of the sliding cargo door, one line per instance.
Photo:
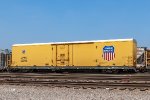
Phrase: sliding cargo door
(62, 55)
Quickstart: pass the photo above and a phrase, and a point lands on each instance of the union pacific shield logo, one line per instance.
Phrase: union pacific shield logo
(108, 53)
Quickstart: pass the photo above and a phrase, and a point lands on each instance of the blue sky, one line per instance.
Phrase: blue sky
(31, 21)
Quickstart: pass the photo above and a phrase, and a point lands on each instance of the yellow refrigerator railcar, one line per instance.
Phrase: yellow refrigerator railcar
(99, 54)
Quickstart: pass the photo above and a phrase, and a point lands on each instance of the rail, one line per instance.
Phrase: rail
(77, 80)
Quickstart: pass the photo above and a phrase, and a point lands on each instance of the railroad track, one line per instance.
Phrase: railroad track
(77, 80)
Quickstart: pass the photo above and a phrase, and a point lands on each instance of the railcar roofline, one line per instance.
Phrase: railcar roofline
(110, 40)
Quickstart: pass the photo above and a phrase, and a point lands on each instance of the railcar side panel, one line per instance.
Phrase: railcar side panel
(84, 55)
(117, 53)
(37, 55)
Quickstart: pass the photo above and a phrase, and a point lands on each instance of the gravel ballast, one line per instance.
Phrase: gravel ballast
(11, 92)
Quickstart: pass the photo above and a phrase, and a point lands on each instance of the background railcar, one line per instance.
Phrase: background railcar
(143, 58)
(5, 58)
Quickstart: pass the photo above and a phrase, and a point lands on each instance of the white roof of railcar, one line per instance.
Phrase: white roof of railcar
(110, 40)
